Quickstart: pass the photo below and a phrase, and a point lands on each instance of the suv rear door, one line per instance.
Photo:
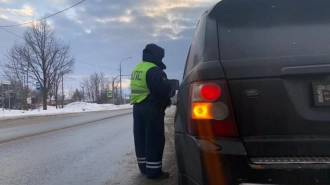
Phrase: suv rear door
(276, 56)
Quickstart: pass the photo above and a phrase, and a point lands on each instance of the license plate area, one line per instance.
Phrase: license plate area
(321, 94)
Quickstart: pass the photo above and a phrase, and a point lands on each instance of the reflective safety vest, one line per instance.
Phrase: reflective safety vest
(139, 87)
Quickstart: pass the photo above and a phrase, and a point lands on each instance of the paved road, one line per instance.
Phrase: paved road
(100, 152)
(20, 128)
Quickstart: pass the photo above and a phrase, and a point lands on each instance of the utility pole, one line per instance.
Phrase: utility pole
(3, 82)
(27, 81)
(2, 96)
(27, 87)
(121, 96)
(38, 103)
(62, 92)
(24, 99)
(83, 95)
(113, 87)
(9, 98)
(113, 92)
(120, 82)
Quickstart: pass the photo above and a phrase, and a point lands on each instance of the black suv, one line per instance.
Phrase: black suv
(254, 103)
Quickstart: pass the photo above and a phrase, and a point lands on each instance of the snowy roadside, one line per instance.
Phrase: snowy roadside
(76, 107)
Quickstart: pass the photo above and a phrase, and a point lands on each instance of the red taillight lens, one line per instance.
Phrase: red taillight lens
(211, 112)
(210, 92)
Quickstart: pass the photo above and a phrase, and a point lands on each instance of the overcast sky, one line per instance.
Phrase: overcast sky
(103, 32)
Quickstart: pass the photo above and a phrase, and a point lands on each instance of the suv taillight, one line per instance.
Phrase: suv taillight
(210, 110)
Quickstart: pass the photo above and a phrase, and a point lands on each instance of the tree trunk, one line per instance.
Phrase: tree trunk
(50, 100)
(56, 102)
(56, 94)
(44, 96)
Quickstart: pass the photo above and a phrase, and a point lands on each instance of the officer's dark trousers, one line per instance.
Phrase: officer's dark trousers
(149, 138)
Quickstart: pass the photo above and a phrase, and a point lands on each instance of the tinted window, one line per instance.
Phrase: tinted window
(264, 30)
(185, 67)
(196, 49)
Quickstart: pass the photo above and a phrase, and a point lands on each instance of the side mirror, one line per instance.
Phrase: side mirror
(175, 84)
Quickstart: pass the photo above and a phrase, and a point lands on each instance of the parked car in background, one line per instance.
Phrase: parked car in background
(254, 103)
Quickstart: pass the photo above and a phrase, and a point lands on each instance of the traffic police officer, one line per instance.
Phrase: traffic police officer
(150, 96)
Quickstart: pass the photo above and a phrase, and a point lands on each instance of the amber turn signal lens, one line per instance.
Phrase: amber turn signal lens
(202, 111)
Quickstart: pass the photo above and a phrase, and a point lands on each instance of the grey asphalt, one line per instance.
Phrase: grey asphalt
(98, 152)
(52, 124)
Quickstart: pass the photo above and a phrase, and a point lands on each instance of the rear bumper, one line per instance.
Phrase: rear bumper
(199, 158)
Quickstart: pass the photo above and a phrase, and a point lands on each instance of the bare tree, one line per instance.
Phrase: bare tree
(115, 89)
(14, 68)
(43, 55)
(92, 86)
(105, 88)
(105, 85)
(17, 71)
(76, 96)
(54, 90)
(96, 87)
(88, 88)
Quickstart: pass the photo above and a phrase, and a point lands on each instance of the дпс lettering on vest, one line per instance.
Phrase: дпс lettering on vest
(136, 75)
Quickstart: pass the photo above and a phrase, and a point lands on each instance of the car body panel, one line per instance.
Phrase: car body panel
(274, 56)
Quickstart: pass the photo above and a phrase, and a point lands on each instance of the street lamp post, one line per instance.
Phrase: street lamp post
(83, 94)
(9, 96)
(9, 100)
(120, 77)
(2, 97)
(3, 82)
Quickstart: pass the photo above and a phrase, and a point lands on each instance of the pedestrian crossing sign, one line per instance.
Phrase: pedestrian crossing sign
(109, 94)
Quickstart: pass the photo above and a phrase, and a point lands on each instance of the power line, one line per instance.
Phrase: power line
(95, 65)
(14, 25)
(11, 33)
(71, 79)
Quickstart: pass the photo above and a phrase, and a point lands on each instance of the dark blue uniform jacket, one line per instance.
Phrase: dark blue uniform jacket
(158, 84)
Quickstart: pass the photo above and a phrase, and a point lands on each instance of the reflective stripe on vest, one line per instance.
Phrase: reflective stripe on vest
(140, 91)
(139, 87)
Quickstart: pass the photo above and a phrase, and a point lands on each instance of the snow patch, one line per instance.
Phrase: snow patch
(74, 107)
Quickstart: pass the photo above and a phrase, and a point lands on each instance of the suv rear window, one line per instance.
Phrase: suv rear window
(196, 49)
(262, 30)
